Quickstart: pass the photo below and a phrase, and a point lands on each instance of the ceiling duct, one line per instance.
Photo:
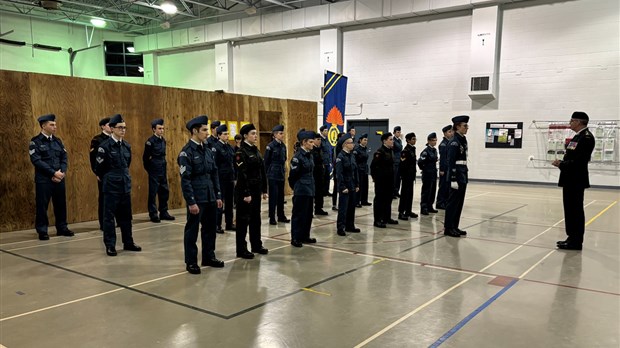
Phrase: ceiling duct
(50, 4)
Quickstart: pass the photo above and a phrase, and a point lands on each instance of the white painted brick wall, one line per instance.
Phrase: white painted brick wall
(189, 69)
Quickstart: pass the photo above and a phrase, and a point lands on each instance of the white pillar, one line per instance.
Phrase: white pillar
(224, 67)
(485, 51)
(331, 50)
(151, 76)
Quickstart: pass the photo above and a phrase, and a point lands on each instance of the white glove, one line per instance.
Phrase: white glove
(454, 185)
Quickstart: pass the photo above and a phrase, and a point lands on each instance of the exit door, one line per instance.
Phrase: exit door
(374, 129)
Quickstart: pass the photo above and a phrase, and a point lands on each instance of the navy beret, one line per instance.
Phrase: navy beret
(45, 118)
(580, 115)
(350, 127)
(215, 124)
(304, 134)
(410, 136)
(156, 122)
(197, 121)
(446, 128)
(114, 120)
(397, 129)
(247, 128)
(385, 136)
(365, 135)
(221, 129)
(104, 121)
(323, 127)
(278, 128)
(459, 119)
(343, 138)
(431, 136)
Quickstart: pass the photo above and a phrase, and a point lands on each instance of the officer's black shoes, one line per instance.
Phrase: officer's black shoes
(44, 236)
(166, 216)
(403, 217)
(245, 255)
(309, 241)
(379, 224)
(441, 206)
(358, 205)
(155, 219)
(261, 250)
(283, 219)
(452, 233)
(67, 233)
(431, 210)
(273, 222)
(335, 208)
(424, 212)
(296, 243)
(218, 229)
(214, 263)
(132, 247)
(320, 212)
(569, 246)
(111, 251)
(341, 233)
(231, 227)
(193, 269)
(461, 232)
(352, 230)
(367, 204)
(392, 222)
(413, 215)
(562, 242)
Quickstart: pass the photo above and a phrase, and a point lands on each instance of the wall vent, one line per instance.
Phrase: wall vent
(479, 83)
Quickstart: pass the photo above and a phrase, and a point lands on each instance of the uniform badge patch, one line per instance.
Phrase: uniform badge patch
(101, 150)
(99, 159)
(32, 151)
(295, 160)
(32, 143)
(183, 169)
(148, 143)
(338, 160)
(182, 154)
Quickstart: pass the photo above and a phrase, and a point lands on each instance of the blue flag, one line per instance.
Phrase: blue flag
(334, 101)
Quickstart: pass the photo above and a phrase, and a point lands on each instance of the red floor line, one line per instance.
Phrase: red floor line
(572, 287)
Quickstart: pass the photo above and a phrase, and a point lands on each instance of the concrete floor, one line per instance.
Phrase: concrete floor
(504, 285)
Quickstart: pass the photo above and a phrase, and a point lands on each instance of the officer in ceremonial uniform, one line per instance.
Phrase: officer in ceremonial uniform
(360, 152)
(407, 174)
(319, 175)
(456, 176)
(275, 159)
(225, 159)
(94, 145)
(251, 185)
(301, 180)
(154, 161)
(382, 172)
(326, 152)
(574, 179)
(428, 165)
(398, 147)
(212, 139)
(49, 157)
(201, 191)
(113, 161)
(348, 186)
(444, 187)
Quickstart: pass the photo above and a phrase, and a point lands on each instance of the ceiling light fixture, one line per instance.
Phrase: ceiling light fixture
(98, 22)
(168, 7)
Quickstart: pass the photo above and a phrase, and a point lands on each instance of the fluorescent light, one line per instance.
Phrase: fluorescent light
(98, 22)
(168, 7)
(131, 49)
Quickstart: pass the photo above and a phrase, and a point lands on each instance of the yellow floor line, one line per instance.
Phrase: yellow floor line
(601, 213)
(316, 292)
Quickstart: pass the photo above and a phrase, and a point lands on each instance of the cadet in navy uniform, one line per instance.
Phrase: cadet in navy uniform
(360, 152)
(49, 157)
(251, 185)
(319, 175)
(238, 139)
(456, 176)
(382, 172)
(201, 191)
(326, 151)
(407, 174)
(275, 159)
(348, 186)
(398, 147)
(444, 187)
(224, 159)
(104, 124)
(301, 180)
(154, 161)
(574, 179)
(428, 165)
(212, 139)
(113, 160)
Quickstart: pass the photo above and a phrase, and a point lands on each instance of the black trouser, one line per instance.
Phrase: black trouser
(206, 219)
(405, 204)
(429, 189)
(158, 186)
(319, 189)
(454, 207)
(325, 181)
(116, 206)
(100, 204)
(55, 192)
(444, 190)
(574, 215)
(228, 188)
(301, 219)
(382, 204)
(248, 215)
(362, 194)
(276, 199)
(335, 192)
(346, 210)
(396, 178)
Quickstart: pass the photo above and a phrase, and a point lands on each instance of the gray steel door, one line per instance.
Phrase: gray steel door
(374, 128)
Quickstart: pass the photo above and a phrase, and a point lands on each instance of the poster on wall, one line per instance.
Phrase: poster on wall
(232, 129)
(506, 135)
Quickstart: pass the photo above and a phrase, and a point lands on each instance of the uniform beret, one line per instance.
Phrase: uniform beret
(215, 124)
(459, 119)
(156, 122)
(323, 127)
(46, 118)
(278, 128)
(104, 121)
(410, 136)
(446, 128)
(304, 134)
(114, 120)
(431, 136)
(247, 128)
(365, 135)
(397, 129)
(350, 127)
(385, 136)
(221, 129)
(580, 115)
(343, 138)
(197, 121)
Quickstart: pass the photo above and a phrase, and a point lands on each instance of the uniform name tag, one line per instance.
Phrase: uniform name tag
(572, 145)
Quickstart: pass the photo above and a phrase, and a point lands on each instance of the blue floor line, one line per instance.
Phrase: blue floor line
(462, 323)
